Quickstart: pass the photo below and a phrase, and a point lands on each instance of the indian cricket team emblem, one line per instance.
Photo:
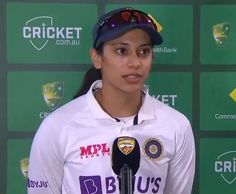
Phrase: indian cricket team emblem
(53, 93)
(233, 94)
(36, 30)
(126, 145)
(24, 166)
(153, 149)
(221, 33)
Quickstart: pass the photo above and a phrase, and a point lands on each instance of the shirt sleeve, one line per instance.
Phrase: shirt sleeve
(45, 164)
(182, 166)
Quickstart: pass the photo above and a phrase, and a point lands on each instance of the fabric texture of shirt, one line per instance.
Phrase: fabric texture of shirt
(71, 151)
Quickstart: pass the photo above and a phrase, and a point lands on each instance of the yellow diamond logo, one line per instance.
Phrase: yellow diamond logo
(233, 95)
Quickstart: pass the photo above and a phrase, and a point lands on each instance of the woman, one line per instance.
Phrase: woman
(71, 150)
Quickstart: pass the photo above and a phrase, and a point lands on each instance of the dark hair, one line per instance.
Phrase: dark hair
(90, 76)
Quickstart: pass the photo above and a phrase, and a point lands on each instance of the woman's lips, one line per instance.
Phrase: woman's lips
(132, 78)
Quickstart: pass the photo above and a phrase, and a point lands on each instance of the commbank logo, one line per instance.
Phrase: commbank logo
(41, 29)
(233, 94)
(225, 165)
(53, 93)
(221, 33)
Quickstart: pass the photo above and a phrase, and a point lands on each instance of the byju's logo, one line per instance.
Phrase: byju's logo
(90, 184)
(225, 165)
(233, 94)
(53, 93)
(220, 33)
(40, 30)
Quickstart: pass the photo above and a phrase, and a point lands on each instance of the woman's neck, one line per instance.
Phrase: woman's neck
(119, 104)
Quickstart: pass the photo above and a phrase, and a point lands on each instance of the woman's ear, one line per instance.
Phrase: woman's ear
(95, 58)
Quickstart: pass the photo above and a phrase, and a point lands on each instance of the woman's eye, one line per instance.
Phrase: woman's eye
(121, 51)
(144, 52)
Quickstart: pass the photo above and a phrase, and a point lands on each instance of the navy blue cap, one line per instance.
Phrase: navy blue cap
(112, 33)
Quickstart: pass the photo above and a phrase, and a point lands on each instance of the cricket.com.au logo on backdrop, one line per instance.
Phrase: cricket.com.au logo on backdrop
(55, 33)
(225, 166)
(169, 99)
(173, 89)
(42, 30)
(217, 162)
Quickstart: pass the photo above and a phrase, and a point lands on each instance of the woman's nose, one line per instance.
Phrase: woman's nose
(134, 62)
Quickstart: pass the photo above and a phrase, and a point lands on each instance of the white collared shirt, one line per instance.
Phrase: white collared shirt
(71, 150)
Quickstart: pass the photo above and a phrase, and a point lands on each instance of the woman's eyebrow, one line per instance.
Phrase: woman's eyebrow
(127, 44)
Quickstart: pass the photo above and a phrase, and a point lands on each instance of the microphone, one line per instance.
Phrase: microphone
(125, 160)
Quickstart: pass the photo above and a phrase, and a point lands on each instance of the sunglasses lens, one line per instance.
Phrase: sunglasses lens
(122, 19)
(127, 17)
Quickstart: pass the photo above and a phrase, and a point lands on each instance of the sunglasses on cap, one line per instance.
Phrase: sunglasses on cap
(124, 17)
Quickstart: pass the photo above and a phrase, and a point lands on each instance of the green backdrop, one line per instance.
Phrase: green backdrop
(44, 53)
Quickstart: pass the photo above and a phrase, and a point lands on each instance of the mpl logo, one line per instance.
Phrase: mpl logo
(225, 165)
(40, 30)
(95, 150)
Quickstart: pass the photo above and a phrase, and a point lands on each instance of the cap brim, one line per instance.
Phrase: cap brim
(155, 36)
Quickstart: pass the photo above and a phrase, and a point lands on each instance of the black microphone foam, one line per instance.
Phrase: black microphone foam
(125, 151)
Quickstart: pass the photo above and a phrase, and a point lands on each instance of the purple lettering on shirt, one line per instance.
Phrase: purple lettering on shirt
(90, 184)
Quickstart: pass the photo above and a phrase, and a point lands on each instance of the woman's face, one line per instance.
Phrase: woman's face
(126, 62)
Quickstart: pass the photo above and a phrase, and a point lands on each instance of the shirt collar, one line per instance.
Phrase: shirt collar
(146, 112)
